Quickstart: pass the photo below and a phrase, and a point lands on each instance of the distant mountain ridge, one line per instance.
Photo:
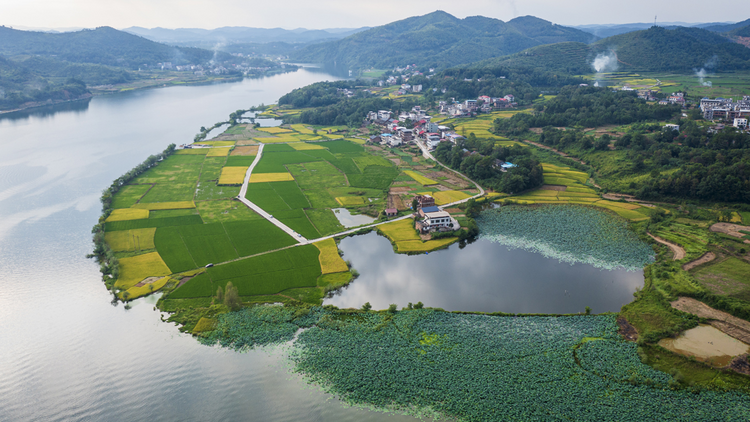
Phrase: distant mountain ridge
(437, 40)
(655, 49)
(103, 46)
(240, 34)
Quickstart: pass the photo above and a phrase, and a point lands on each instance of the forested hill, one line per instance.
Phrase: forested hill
(437, 40)
(104, 45)
(655, 49)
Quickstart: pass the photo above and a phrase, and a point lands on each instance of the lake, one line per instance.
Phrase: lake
(68, 353)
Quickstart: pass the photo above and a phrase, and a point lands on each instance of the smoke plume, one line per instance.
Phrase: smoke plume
(703, 74)
(605, 62)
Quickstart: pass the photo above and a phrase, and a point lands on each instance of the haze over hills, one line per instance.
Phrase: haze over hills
(608, 30)
(655, 49)
(437, 40)
(238, 34)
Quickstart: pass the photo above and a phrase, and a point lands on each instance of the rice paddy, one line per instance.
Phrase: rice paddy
(330, 260)
(422, 180)
(122, 214)
(568, 233)
(305, 146)
(448, 196)
(406, 239)
(218, 152)
(270, 177)
(135, 269)
(232, 175)
(166, 205)
(131, 240)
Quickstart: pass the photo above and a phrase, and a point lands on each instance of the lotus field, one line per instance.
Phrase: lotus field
(476, 367)
(568, 233)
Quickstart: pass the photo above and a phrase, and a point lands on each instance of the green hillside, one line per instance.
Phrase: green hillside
(655, 49)
(438, 40)
(104, 46)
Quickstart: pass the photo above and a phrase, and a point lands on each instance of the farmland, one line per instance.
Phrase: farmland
(405, 238)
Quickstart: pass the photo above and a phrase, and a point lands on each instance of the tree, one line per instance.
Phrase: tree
(366, 306)
(219, 294)
(414, 204)
(392, 308)
(232, 297)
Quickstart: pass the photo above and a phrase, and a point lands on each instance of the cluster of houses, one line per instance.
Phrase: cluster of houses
(483, 104)
(431, 218)
(395, 133)
(727, 110)
(674, 98)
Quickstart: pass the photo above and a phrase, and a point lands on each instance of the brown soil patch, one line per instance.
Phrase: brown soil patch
(449, 178)
(626, 330)
(559, 188)
(707, 257)
(400, 190)
(536, 130)
(730, 325)
(149, 280)
(246, 142)
(740, 364)
(677, 250)
(454, 210)
(183, 281)
(425, 237)
(398, 202)
(245, 150)
(396, 161)
(731, 229)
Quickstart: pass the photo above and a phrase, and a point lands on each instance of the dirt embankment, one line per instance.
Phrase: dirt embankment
(731, 230)
(628, 198)
(677, 250)
(707, 257)
(730, 325)
(627, 330)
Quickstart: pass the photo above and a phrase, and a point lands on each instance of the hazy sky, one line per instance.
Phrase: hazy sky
(347, 13)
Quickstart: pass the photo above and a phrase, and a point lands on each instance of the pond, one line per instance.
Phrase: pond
(483, 276)
(707, 344)
(347, 219)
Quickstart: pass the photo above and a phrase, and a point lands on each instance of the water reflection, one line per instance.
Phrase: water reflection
(483, 276)
(77, 106)
(348, 220)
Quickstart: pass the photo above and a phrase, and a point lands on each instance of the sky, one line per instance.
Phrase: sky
(319, 14)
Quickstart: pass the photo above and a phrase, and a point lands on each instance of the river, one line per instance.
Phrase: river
(66, 353)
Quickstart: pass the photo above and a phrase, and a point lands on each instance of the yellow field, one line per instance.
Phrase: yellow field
(348, 201)
(136, 292)
(330, 260)
(218, 152)
(135, 269)
(448, 196)
(303, 146)
(281, 137)
(270, 177)
(357, 140)
(128, 240)
(180, 205)
(274, 130)
(301, 128)
(192, 151)
(232, 175)
(419, 178)
(216, 143)
(407, 240)
(122, 214)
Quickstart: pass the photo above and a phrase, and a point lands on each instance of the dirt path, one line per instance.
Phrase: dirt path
(707, 257)
(730, 325)
(677, 250)
(731, 230)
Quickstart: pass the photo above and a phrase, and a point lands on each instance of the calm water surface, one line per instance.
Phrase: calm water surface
(484, 277)
(65, 352)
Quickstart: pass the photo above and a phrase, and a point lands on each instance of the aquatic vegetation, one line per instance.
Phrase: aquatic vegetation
(482, 368)
(568, 233)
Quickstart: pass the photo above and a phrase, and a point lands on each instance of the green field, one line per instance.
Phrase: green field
(262, 275)
(129, 195)
(153, 222)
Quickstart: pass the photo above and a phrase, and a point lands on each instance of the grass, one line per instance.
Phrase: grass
(207, 191)
(122, 214)
(420, 179)
(350, 201)
(218, 152)
(225, 210)
(730, 276)
(166, 205)
(330, 260)
(232, 175)
(405, 236)
(324, 221)
(131, 240)
(262, 275)
(271, 177)
(135, 269)
(129, 195)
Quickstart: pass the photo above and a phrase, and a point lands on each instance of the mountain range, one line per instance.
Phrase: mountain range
(437, 40)
(234, 35)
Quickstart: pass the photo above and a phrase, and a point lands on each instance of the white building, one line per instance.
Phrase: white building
(437, 220)
(740, 123)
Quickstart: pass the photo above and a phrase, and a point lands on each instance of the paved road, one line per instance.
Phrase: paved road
(243, 190)
(426, 153)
